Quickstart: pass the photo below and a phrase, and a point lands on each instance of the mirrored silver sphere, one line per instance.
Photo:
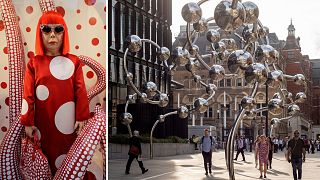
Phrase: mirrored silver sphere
(213, 36)
(276, 96)
(250, 114)
(150, 88)
(134, 43)
(126, 118)
(183, 112)
(197, 78)
(163, 54)
(227, 18)
(143, 98)
(161, 118)
(192, 66)
(248, 103)
(238, 61)
(300, 97)
(129, 76)
(275, 122)
(263, 32)
(180, 56)
(216, 72)
(211, 88)
(275, 106)
(131, 98)
(191, 12)
(293, 109)
(223, 56)
(230, 44)
(252, 12)
(266, 53)
(162, 98)
(193, 50)
(201, 105)
(248, 35)
(256, 73)
(201, 25)
(220, 46)
(275, 78)
(299, 79)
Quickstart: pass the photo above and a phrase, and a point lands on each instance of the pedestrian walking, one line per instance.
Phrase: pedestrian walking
(135, 152)
(297, 154)
(240, 146)
(263, 151)
(206, 147)
(270, 155)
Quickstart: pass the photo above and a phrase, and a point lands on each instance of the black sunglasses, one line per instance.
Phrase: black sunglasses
(47, 29)
(296, 133)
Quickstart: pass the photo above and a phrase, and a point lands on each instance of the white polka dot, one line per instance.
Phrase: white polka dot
(65, 118)
(59, 160)
(42, 92)
(25, 107)
(61, 67)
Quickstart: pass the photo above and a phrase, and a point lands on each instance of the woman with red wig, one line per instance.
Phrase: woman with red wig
(55, 100)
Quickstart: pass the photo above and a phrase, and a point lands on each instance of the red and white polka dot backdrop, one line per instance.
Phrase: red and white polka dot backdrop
(86, 24)
(81, 32)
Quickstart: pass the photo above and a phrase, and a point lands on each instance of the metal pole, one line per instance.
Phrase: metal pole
(267, 119)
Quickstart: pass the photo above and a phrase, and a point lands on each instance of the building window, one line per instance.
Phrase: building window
(208, 48)
(290, 54)
(227, 110)
(228, 83)
(221, 83)
(137, 75)
(239, 82)
(210, 112)
(121, 71)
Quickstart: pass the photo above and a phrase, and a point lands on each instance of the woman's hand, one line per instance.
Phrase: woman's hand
(30, 130)
(78, 126)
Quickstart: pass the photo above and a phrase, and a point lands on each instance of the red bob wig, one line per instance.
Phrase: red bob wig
(51, 17)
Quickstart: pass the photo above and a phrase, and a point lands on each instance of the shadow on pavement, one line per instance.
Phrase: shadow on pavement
(276, 173)
(213, 177)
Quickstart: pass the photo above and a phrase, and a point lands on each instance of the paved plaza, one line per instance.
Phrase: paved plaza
(190, 166)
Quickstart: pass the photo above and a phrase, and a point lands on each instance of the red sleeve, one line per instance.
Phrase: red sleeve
(27, 111)
(81, 98)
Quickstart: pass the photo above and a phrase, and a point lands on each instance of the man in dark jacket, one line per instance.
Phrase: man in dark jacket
(297, 154)
(135, 152)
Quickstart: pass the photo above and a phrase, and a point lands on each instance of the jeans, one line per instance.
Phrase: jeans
(131, 158)
(207, 158)
(296, 165)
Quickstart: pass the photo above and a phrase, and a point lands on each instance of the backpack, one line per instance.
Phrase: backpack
(211, 138)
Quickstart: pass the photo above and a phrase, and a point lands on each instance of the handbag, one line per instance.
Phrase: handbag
(134, 150)
(33, 163)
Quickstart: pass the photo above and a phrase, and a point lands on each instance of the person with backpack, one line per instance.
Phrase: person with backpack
(135, 152)
(240, 144)
(206, 147)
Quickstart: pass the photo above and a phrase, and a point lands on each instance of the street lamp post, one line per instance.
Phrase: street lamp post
(267, 133)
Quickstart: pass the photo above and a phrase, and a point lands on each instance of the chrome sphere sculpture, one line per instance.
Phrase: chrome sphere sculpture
(251, 60)
(229, 16)
(254, 60)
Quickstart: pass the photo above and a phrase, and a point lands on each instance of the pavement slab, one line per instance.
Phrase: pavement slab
(190, 166)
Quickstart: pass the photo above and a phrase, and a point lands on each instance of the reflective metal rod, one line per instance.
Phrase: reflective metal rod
(151, 135)
(229, 151)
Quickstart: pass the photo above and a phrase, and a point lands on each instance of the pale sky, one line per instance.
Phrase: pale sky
(276, 15)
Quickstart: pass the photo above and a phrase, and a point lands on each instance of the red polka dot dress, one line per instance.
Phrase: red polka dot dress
(54, 98)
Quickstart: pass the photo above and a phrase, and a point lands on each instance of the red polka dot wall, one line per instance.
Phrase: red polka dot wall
(87, 27)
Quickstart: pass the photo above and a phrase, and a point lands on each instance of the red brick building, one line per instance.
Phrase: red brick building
(296, 63)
